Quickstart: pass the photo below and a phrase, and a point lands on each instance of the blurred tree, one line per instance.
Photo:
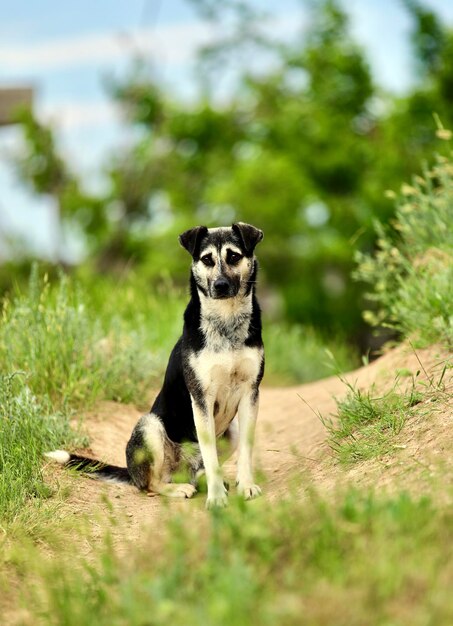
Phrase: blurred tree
(404, 137)
(304, 149)
(289, 152)
(428, 37)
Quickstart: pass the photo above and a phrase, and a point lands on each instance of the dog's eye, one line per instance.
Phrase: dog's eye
(233, 258)
(208, 260)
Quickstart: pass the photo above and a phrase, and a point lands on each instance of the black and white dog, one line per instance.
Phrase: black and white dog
(211, 387)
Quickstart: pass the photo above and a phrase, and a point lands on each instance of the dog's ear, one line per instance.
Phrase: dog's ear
(249, 236)
(191, 239)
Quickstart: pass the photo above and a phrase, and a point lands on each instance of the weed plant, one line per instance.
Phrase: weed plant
(412, 278)
(412, 271)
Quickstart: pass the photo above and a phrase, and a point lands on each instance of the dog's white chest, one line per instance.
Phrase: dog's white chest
(224, 377)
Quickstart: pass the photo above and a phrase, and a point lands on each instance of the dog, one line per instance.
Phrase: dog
(210, 392)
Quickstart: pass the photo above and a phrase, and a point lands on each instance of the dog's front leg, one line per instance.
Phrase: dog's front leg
(247, 414)
(205, 425)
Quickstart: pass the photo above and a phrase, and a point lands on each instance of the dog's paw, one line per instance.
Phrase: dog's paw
(178, 490)
(217, 497)
(248, 491)
(219, 502)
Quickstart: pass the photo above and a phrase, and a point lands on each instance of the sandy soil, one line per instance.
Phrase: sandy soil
(291, 441)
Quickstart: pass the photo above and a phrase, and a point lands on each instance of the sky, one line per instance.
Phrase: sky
(68, 51)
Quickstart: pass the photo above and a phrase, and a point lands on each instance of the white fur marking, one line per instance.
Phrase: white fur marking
(60, 456)
(225, 323)
(217, 494)
(247, 414)
(176, 490)
(154, 438)
(217, 229)
(226, 369)
(226, 377)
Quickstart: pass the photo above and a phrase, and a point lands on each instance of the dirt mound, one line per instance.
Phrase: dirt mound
(291, 439)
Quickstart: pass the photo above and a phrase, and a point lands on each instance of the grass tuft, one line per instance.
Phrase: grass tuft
(367, 424)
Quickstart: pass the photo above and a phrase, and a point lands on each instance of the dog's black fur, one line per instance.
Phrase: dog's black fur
(222, 322)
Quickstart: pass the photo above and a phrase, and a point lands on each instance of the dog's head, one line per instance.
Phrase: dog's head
(223, 261)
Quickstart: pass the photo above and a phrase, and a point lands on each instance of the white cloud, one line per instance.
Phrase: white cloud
(171, 44)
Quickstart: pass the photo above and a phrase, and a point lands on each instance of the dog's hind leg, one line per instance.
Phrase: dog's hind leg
(152, 458)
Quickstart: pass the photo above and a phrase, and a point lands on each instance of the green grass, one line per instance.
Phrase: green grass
(27, 428)
(367, 423)
(361, 559)
(412, 271)
(412, 278)
(73, 353)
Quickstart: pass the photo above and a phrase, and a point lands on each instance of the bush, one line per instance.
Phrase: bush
(412, 270)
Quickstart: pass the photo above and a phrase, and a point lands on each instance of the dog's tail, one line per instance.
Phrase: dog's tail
(96, 469)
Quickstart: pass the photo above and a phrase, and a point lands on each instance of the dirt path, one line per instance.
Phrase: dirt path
(291, 439)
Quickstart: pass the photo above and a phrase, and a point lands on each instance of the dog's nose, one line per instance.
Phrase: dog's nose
(221, 286)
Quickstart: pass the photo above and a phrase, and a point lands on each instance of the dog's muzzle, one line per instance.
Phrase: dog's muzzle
(223, 288)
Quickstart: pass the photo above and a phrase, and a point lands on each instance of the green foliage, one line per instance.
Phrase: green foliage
(428, 37)
(71, 357)
(28, 427)
(299, 152)
(297, 562)
(42, 165)
(366, 424)
(434, 48)
(412, 270)
(254, 160)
